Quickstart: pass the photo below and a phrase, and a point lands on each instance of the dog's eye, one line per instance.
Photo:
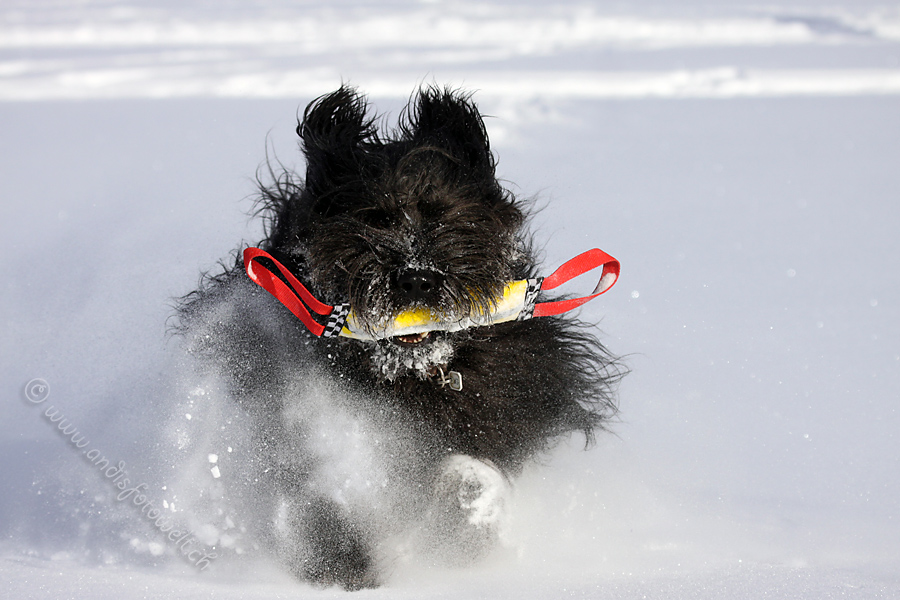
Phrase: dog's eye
(430, 210)
(378, 218)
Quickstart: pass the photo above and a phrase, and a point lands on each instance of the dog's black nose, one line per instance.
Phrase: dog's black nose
(419, 285)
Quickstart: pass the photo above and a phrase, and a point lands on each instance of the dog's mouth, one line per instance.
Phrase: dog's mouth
(413, 339)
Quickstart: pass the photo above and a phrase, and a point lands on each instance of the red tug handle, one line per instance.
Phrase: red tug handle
(572, 268)
(292, 297)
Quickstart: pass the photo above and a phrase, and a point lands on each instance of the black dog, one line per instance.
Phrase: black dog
(404, 443)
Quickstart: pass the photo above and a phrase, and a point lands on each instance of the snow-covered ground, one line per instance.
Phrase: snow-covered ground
(740, 160)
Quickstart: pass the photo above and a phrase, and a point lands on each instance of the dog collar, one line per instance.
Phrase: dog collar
(517, 302)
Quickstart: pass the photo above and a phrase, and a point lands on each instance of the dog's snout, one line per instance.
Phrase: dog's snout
(419, 285)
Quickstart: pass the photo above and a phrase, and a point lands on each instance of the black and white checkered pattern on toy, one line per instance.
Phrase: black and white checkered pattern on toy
(336, 320)
(531, 294)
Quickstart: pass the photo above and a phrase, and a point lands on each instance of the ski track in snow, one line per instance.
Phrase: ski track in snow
(750, 195)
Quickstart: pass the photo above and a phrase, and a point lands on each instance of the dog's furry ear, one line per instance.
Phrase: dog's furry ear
(333, 129)
(449, 120)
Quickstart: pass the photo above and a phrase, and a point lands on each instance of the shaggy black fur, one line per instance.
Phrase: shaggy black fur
(389, 220)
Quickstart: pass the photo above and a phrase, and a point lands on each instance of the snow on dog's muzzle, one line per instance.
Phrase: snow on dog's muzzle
(517, 302)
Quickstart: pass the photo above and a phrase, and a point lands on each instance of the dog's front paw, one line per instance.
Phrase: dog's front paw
(480, 489)
(469, 510)
(322, 545)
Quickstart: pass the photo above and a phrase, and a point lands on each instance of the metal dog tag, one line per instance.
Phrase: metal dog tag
(453, 379)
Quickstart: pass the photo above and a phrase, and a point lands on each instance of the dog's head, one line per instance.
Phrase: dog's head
(405, 219)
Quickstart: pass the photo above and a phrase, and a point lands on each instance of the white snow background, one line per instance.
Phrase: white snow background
(741, 160)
